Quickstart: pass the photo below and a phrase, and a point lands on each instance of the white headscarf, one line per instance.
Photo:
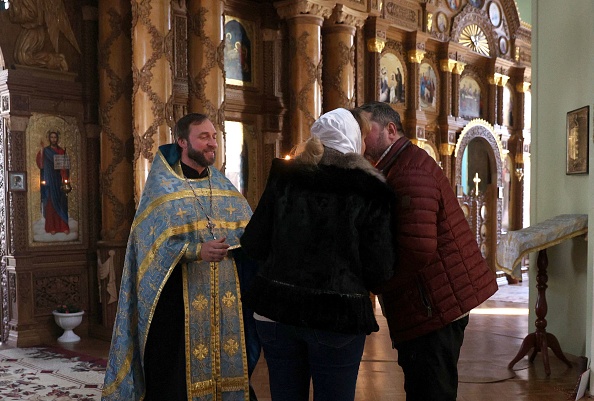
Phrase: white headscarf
(338, 130)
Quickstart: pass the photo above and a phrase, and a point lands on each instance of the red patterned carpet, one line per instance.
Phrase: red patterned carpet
(49, 374)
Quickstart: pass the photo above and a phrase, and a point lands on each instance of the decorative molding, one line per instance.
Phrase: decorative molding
(447, 65)
(313, 77)
(294, 8)
(347, 16)
(119, 91)
(346, 56)
(375, 45)
(401, 15)
(523, 87)
(473, 16)
(416, 56)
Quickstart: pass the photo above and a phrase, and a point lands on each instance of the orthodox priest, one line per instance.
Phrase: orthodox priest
(179, 330)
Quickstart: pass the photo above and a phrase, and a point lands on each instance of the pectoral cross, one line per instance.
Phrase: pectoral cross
(476, 181)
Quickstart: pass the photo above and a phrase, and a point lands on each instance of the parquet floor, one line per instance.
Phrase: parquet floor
(492, 339)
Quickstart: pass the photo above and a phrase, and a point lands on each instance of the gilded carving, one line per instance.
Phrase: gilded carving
(346, 16)
(292, 8)
(313, 77)
(416, 56)
(36, 18)
(403, 15)
(180, 65)
(213, 56)
(472, 16)
(375, 45)
(143, 78)
(121, 210)
(51, 290)
(346, 56)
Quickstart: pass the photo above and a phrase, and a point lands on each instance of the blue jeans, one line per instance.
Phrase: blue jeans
(295, 355)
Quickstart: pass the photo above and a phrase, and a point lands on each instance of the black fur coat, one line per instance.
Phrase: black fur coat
(322, 236)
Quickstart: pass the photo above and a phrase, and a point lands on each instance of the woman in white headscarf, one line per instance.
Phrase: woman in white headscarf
(322, 238)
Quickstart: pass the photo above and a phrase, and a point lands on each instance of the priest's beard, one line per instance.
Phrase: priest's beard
(200, 157)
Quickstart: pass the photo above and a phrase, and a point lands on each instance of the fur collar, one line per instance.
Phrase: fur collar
(351, 161)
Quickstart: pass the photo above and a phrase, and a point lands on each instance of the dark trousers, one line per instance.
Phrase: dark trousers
(430, 363)
(295, 355)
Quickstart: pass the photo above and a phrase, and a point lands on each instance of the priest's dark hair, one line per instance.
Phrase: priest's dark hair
(182, 127)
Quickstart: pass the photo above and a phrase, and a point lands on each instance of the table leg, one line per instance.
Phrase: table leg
(540, 340)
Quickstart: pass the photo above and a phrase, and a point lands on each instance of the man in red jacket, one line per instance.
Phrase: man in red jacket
(440, 272)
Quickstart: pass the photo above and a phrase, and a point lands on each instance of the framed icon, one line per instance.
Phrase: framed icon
(454, 4)
(578, 126)
(442, 22)
(239, 51)
(17, 181)
(503, 45)
(495, 14)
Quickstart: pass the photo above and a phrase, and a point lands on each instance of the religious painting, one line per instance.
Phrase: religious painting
(392, 88)
(17, 181)
(578, 126)
(495, 14)
(454, 4)
(503, 45)
(239, 51)
(53, 151)
(507, 106)
(476, 3)
(442, 22)
(470, 98)
(428, 88)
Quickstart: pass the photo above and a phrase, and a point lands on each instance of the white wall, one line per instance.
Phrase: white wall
(562, 80)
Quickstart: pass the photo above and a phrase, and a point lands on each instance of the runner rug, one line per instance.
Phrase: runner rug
(49, 374)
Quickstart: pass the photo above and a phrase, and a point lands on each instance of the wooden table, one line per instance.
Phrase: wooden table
(537, 238)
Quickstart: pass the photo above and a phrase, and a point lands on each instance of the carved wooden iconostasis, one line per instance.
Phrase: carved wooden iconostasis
(468, 63)
(120, 76)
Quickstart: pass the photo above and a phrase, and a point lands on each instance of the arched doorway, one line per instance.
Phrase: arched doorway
(479, 184)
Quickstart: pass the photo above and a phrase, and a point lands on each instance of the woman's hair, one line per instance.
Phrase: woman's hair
(310, 151)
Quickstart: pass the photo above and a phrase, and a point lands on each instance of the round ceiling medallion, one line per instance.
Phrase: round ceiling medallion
(473, 37)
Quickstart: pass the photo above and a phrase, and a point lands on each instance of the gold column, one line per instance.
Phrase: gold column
(339, 57)
(446, 66)
(415, 57)
(153, 84)
(375, 39)
(117, 175)
(304, 20)
(205, 65)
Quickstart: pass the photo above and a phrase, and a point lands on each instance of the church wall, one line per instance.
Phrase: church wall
(562, 82)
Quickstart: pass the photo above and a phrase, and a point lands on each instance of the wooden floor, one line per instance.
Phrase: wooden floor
(492, 339)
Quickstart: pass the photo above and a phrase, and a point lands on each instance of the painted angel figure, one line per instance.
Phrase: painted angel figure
(37, 16)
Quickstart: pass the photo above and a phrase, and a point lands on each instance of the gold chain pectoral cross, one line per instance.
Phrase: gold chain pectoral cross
(476, 181)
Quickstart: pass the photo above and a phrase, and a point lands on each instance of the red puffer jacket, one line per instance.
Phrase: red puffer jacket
(440, 274)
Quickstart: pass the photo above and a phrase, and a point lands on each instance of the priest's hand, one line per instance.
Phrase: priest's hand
(215, 250)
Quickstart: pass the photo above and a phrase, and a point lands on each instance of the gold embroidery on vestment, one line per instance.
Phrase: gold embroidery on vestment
(200, 302)
(229, 299)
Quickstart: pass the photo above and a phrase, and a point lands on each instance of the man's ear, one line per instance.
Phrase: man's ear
(182, 143)
(392, 132)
